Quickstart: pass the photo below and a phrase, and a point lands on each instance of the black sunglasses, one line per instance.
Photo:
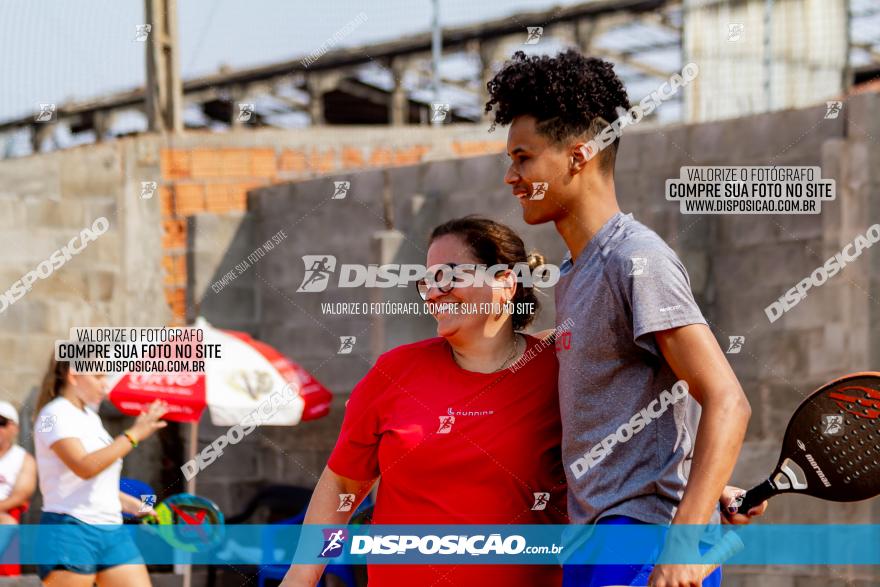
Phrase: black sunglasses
(4, 422)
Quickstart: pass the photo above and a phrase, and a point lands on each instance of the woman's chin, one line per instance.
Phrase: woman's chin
(447, 327)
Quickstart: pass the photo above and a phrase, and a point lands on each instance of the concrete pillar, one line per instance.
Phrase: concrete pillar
(316, 104)
(398, 104)
(585, 34)
(490, 51)
(39, 133)
(236, 97)
(164, 94)
(101, 123)
(317, 84)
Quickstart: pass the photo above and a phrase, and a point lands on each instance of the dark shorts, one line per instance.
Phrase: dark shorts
(82, 548)
(601, 575)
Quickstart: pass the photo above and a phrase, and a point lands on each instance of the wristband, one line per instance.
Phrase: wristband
(130, 438)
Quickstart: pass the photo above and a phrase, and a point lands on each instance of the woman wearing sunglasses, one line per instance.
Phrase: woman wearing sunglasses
(457, 427)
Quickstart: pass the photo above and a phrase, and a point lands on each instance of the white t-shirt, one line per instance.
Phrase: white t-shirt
(95, 500)
(10, 467)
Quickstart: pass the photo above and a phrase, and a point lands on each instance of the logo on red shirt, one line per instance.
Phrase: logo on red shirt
(454, 413)
(446, 423)
(542, 498)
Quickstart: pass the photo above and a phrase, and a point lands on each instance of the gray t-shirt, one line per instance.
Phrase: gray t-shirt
(628, 430)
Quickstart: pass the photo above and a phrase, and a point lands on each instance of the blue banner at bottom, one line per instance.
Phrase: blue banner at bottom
(203, 544)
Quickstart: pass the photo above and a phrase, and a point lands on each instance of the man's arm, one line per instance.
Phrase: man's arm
(25, 485)
(694, 355)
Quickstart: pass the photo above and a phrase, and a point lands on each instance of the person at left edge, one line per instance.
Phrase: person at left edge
(18, 481)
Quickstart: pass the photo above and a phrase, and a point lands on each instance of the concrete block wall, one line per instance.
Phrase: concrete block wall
(115, 281)
(36, 220)
(217, 243)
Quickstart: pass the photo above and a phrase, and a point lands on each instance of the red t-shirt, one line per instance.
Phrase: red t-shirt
(10, 566)
(456, 447)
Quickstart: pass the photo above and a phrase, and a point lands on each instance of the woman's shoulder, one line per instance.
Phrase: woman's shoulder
(62, 408)
(401, 362)
(59, 404)
(15, 453)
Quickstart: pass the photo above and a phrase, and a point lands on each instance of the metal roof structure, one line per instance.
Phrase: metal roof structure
(390, 82)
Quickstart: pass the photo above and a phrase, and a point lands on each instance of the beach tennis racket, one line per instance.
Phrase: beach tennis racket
(189, 522)
(831, 448)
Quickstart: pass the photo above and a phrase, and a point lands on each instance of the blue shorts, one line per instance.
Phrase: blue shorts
(602, 575)
(82, 548)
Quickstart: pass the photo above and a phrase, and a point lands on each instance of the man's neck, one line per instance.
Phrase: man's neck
(585, 220)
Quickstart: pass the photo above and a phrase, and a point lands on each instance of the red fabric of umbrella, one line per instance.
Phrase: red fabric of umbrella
(232, 386)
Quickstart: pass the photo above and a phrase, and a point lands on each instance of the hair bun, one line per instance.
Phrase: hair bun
(535, 259)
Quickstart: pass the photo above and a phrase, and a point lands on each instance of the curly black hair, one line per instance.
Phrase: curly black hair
(570, 96)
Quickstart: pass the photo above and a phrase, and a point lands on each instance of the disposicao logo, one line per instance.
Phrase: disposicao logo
(320, 268)
(334, 542)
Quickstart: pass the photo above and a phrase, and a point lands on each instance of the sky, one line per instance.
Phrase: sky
(55, 51)
(52, 51)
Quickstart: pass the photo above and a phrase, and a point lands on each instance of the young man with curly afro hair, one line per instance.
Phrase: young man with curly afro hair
(642, 362)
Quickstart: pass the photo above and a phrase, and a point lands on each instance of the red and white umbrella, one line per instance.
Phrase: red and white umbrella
(242, 381)
(231, 387)
(249, 377)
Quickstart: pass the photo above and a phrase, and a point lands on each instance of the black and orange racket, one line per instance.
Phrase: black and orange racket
(831, 448)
